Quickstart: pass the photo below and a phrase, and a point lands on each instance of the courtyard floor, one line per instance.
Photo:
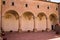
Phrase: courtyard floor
(32, 36)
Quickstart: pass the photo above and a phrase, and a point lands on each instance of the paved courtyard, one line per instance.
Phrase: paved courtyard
(32, 36)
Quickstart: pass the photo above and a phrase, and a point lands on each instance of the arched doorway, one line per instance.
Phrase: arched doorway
(27, 21)
(10, 21)
(41, 21)
(53, 20)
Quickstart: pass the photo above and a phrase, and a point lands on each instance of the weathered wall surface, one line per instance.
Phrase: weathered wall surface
(59, 12)
(20, 7)
(0, 15)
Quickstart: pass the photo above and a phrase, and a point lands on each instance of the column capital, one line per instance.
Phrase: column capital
(19, 16)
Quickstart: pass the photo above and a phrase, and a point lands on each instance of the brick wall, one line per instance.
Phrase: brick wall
(47, 8)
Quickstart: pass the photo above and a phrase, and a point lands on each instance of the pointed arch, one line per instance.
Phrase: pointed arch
(53, 17)
(27, 21)
(41, 23)
(11, 20)
(53, 20)
(11, 12)
(28, 15)
(41, 14)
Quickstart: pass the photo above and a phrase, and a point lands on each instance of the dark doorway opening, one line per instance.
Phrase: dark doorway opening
(53, 27)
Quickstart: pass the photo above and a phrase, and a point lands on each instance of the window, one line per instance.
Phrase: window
(12, 3)
(56, 8)
(3, 2)
(37, 6)
(26, 5)
(48, 7)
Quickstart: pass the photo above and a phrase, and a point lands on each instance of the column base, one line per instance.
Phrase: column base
(19, 30)
(34, 30)
(47, 29)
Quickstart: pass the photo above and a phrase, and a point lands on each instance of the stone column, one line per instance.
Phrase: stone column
(35, 30)
(47, 24)
(19, 28)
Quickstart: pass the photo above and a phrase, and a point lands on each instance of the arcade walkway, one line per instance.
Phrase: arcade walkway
(32, 36)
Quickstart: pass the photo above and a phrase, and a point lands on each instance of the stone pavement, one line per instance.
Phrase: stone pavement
(32, 36)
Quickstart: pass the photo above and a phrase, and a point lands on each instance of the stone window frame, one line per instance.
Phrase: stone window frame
(37, 6)
(12, 3)
(3, 2)
(26, 5)
(48, 7)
